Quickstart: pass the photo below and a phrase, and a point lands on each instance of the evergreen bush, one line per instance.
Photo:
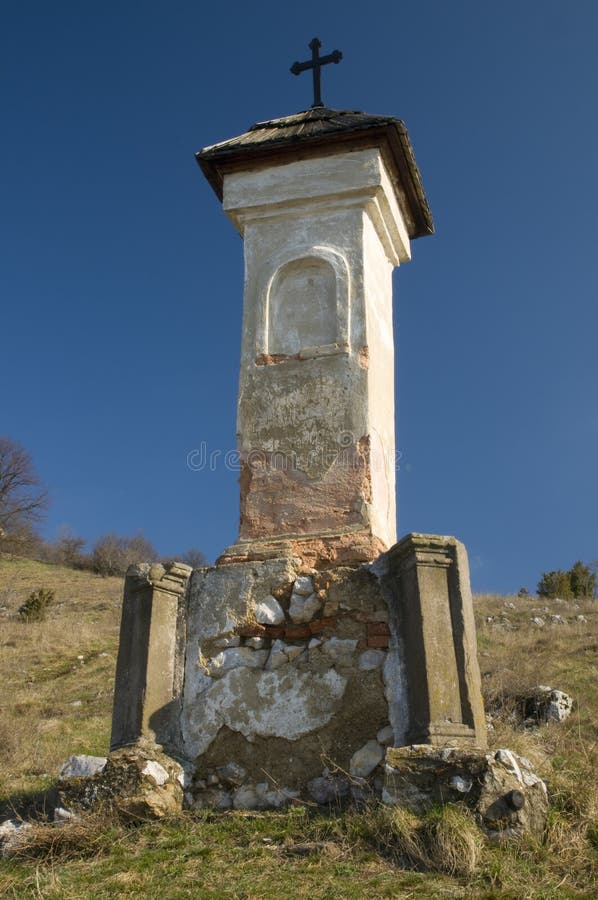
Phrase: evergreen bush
(35, 606)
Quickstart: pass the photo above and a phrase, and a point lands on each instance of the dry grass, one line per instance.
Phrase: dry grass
(53, 703)
(56, 676)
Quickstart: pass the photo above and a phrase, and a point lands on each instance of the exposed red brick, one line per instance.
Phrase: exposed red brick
(320, 553)
(378, 628)
(321, 624)
(378, 640)
(274, 631)
(251, 630)
(296, 632)
(272, 359)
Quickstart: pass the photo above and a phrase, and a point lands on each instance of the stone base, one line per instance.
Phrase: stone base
(290, 674)
(501, 788)
(342, 548)
(278, 680)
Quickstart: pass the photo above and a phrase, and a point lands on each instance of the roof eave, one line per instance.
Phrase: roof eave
(392, 139)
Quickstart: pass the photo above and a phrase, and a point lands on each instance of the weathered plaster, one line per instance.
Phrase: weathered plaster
(316, 403)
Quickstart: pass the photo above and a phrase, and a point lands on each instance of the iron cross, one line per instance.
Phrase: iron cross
(316, 62)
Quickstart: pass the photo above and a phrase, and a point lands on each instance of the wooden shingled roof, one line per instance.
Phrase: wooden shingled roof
(322, 132)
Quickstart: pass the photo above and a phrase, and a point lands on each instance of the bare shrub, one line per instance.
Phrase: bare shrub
(194, 558)
(112, 555)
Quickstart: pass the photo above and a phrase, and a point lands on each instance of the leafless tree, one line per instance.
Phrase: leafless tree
(112, 554)
(194, 558)
(22, 497)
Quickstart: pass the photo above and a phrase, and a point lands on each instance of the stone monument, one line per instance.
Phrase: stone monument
(316, 641)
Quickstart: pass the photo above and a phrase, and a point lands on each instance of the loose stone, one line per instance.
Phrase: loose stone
(364, 761)
(82, 766)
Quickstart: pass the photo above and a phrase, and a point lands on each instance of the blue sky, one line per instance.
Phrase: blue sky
(121, 278)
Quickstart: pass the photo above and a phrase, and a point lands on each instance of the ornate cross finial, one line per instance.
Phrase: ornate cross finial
(316, 62)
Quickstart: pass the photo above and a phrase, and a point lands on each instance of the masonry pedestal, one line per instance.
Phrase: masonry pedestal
(293, 681)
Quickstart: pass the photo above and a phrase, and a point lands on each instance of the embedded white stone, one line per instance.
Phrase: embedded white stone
(256, 643)
(233, 773)
(292, 651)
(340, 650)
(63, 815)
(82, 766)
(155, 771)
(275, 799)
(508, 760)
(463, 785)
(385, 736)
(371, 659)
(261, 791)
(235, 657)
(277, 656)
(303, 586)
(315, 642)
(269, 612)
(213, 798)
(364, 761)
(303, 609)
(224, 642)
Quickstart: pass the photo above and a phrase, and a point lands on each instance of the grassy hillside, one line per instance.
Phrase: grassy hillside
(55, 676)
(55, 699)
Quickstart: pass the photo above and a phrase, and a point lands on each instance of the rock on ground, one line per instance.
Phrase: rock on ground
(506, 796)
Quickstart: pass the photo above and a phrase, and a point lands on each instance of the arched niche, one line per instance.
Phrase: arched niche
(306, 306)
(302, 306)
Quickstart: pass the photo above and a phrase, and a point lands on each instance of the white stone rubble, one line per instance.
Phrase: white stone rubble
(269, 612)
(340, 650)
(303, 609)
(82, 766)
(385, 736)
(303, 586)
(235, 657)
(364, 761)
(277, 657)
(156, 772)
(11, 832)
